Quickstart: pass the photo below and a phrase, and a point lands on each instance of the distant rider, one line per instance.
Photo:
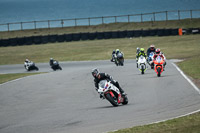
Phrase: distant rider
(141, 53)
(151, 49)
(27, 63)
(138, 50)
(51, 62)
(117, 51)
(159, 53)
(104, 76)
(113, 56)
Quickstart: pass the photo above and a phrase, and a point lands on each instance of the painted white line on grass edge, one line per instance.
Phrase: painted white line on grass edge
(193, 85)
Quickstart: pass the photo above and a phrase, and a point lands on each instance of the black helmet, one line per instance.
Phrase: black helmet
(95, 72)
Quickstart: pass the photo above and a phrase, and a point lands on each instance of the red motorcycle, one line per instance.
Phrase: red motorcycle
(158, 62)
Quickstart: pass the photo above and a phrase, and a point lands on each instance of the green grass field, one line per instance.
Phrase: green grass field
(179, 47)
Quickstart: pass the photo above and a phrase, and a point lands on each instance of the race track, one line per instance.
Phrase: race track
(66, 101)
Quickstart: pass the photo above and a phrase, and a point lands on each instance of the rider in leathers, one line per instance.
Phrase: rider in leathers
(159, 53)
(151, 49)
(102, 76)
(141, 53)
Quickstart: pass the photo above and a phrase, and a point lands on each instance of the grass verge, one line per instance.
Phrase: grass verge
(8, 77)
(187, 124)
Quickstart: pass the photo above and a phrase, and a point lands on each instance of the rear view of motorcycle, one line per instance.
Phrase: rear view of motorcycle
(158, 65)
(142, 64)
(110, 92)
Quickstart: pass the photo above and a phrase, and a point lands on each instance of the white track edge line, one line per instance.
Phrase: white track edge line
(182, 73)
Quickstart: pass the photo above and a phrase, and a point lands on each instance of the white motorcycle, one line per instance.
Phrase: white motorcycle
(111, 93)
(150, 60)
(142, 64)
(30, 66)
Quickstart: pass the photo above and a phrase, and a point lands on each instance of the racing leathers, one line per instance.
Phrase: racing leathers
(149, 50)
(162, 56)
(139, 54)
(105, 76)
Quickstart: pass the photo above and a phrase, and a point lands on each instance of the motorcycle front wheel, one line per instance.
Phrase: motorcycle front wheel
(159, 71)
(112, 100)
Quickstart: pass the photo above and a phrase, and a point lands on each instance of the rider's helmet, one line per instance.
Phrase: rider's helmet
(157, 51)
(142, 50)
(138, 49)
(152, 47)
(51, 58)
(95, 72)
(26, 60)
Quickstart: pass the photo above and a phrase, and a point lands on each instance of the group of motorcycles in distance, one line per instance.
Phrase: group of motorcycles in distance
(30, 65)
(157, 63)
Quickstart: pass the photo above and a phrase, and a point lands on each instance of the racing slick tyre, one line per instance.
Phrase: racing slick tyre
(112, 100)
(159, 71)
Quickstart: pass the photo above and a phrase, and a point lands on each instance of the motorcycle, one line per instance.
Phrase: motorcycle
(142, 64)
(30, 66)
(158, 65)
(119, 59)
(110, 92)
(56, 66)
(150, 60)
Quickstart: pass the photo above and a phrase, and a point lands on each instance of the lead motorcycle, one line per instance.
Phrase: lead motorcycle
(30, 66)
(119, 59)
(55, 65)
(158, 65)
(142, 64)
(110, 92)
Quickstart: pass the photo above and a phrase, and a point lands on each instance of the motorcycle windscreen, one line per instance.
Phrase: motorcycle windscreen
(102, 83)
(158, 59)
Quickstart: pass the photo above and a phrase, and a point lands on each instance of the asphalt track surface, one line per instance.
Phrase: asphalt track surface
(66, 101)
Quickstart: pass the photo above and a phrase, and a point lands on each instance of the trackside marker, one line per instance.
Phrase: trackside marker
(194, 86)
